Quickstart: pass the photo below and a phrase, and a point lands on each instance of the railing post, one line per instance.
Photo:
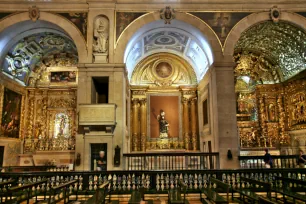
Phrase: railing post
(218, 161)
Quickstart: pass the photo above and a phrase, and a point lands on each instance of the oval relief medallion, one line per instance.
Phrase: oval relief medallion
(163, 69)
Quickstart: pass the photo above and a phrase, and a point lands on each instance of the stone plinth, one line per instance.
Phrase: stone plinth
(61, 158)
(100, 57)
(26, 160)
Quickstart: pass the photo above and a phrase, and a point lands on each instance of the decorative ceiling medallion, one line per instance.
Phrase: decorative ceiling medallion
(167, 14)
(275, 14)
(163, 69)
(34, 13)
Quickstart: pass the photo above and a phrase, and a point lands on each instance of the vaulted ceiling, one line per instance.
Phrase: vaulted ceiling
(33, 54)
(271, 52)
(178, 38)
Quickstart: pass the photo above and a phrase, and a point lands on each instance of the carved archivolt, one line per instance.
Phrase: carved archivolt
(163, 69)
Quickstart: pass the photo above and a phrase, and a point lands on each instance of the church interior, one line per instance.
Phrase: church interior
(164, 101)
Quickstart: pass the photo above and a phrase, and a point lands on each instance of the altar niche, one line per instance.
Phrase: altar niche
(164, 121)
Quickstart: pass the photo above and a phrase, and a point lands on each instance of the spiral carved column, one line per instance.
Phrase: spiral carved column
(135, 128)
(283, 138)
(263, 120)
(193, 110)
(143, 124)
(186, 122)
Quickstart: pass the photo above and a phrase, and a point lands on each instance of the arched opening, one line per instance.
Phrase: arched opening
(269, 83)
(39, 80)
(164, 65)
(178, 38)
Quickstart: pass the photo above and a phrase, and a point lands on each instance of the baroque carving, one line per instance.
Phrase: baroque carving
(167, 14)
(163, 70)
(62, 103)
(46, 128)
(30, 56)
(34, 13)
(275, 14)
(279, 45)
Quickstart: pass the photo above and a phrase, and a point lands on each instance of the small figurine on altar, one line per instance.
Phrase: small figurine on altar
(163, 125)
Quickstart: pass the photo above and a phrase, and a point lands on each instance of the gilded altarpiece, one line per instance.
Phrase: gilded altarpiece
(164, 105)
(50, 120)
(280, 109)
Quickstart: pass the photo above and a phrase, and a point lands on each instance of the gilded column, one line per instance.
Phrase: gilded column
(135, 123)
(283, 139)
(1, 99)
(21, 127)
(186, 122)
(143, 123)
(193, 110)
(262, 113)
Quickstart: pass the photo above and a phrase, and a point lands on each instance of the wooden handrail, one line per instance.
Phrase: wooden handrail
(142, 154)
(104, 184)
(17, 188)
(64, 184)
(2, 184)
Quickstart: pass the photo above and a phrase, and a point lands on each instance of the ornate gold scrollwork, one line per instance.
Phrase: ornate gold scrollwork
(163, 69)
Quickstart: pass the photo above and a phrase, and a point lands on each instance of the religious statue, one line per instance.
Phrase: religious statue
(62, 125)
(101, 35)
(163, 125)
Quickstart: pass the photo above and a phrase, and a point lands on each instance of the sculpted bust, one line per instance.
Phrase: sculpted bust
(101, 34)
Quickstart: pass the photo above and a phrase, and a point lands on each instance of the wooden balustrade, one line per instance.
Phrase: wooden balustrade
(279, 161)
(171, 161)
(154, 181)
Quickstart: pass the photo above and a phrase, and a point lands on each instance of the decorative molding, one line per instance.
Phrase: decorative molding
(167, 14)
(34, 13)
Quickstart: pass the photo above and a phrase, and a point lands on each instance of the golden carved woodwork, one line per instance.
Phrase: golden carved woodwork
(43, 105)
(1, 100)
(256, 67)
(163, 70)
(280, 109)
(135, 122)
(143, 124)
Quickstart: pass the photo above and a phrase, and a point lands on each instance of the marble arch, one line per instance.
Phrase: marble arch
(135, 29)
(61, 22)
(256, 18)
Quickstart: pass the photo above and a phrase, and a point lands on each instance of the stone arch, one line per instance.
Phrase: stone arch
(63, 23)
(155, 16)
(256, 18)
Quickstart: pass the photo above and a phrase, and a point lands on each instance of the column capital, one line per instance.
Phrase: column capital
(143, 101)
(193, 100)
(185, 100)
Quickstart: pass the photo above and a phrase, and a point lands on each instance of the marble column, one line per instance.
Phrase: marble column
(143, 124)
(135, 128)
(186, 122)
(193, 110)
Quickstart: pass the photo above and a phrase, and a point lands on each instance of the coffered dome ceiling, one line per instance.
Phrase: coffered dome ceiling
(186, 43)
(271, 52)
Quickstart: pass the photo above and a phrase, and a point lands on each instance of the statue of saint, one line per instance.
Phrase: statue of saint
(101, 35)
(163, 125)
